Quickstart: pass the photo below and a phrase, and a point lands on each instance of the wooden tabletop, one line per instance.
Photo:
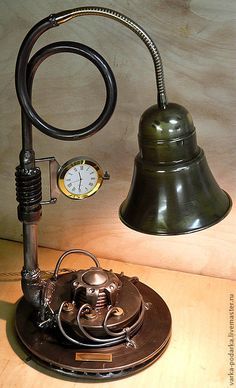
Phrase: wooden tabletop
(198, 352)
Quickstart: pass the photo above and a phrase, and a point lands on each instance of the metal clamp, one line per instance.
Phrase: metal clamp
(53, 168)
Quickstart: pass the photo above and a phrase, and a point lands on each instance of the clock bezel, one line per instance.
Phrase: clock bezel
(70, 164)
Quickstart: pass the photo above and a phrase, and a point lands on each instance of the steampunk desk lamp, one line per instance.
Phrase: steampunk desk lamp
(94, 323)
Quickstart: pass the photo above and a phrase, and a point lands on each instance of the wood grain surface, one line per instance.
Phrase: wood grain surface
(197, 355)
(197, 43)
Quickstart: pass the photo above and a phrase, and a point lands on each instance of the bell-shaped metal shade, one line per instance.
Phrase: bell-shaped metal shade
(173, 190)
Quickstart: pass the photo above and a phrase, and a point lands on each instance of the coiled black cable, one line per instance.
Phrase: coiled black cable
(25, 74)
(23, 89)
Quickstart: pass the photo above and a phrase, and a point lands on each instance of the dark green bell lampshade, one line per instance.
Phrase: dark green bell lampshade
(173, 190)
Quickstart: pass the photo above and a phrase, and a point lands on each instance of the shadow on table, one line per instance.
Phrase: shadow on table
(7, 313)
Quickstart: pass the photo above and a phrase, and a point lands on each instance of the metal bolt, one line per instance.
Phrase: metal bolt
(147, 305)
(118, 312)
(91, 315)
(134, 279)
(131, 344)
(67, 307)
(112, 286)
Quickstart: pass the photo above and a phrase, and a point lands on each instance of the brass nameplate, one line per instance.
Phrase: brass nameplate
(104, 357)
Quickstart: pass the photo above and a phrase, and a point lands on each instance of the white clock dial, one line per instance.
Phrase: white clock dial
(79, 178)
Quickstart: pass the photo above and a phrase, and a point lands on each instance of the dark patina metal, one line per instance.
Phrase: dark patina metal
(49, 349)
(173, 190)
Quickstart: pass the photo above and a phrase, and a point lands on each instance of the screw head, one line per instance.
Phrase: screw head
(91, 315)
(118, 312)
(67, 307)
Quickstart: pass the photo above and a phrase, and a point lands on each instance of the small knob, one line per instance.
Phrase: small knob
(106, 175)
(95, 277)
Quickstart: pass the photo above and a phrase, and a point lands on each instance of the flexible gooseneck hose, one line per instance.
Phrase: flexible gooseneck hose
(64, 16)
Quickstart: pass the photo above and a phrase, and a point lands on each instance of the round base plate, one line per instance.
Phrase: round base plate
(50, 350)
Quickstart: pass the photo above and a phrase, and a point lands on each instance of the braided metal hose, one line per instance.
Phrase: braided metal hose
(64, 16)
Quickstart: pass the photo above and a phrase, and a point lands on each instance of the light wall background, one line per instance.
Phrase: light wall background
(197, 41)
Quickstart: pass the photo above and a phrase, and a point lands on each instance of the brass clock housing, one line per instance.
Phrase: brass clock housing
(80, 162)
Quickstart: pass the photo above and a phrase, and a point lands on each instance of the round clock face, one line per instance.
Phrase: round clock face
(80, 178)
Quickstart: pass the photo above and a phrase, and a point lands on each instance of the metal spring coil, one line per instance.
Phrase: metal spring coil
(28, 186)
(101, 302)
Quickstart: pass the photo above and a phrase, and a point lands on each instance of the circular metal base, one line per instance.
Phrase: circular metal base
(50, 350)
